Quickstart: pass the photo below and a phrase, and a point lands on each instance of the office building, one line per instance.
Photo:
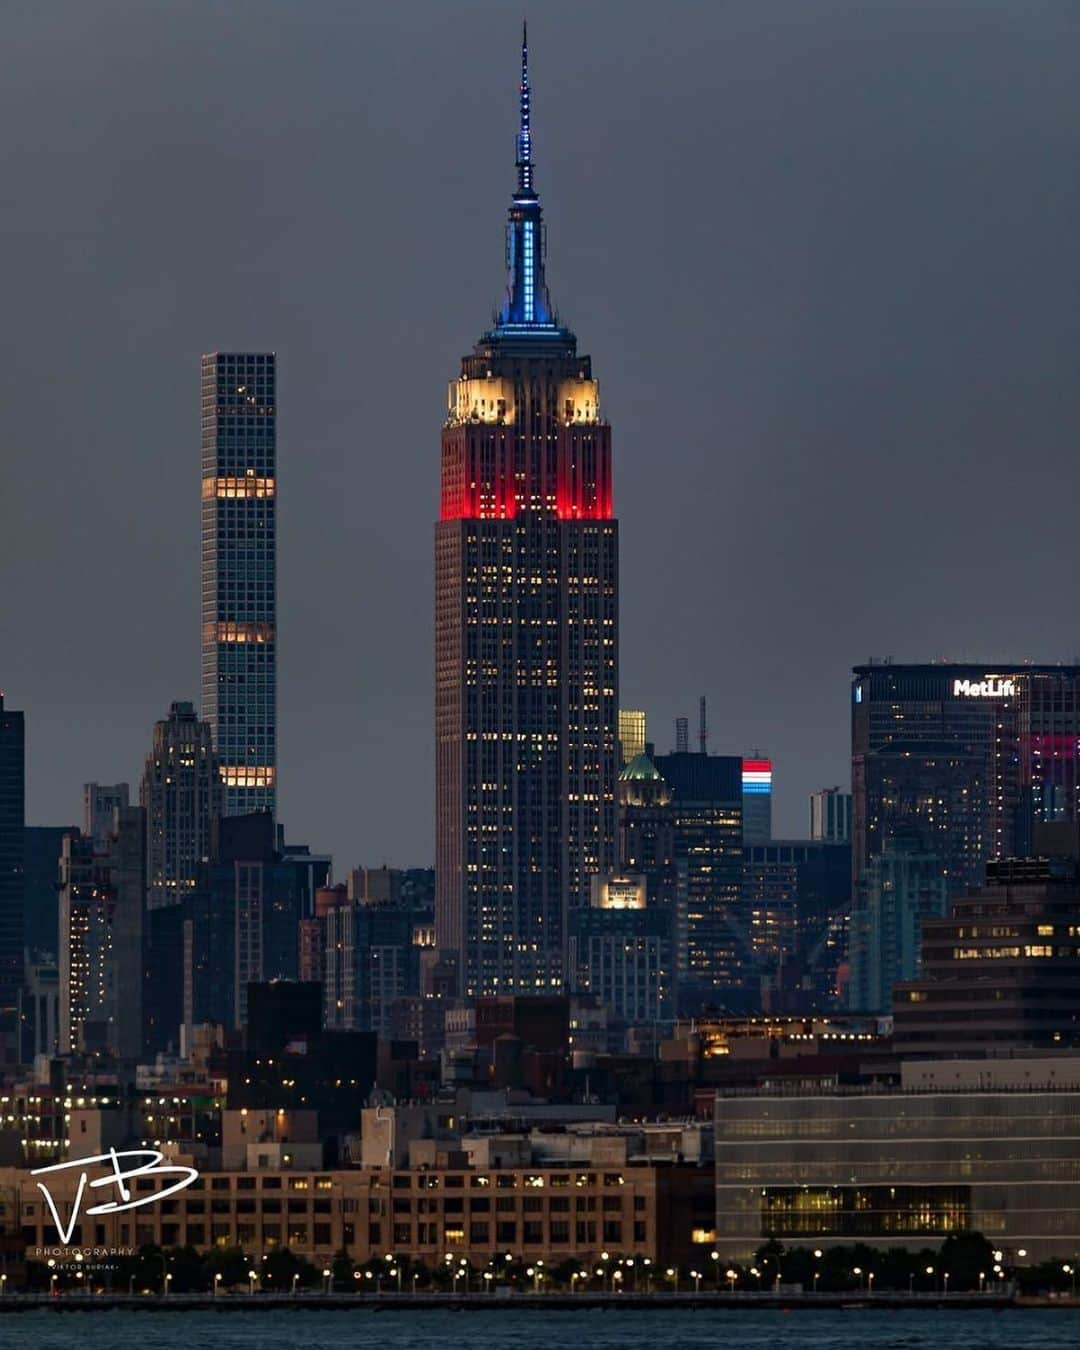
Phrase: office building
(621, 950)
(371, 960)
(830, 815)
(757, 777)
(181, 793)
(632, 734)
(1001, 973)
(526, 668)
(241, 924)
(239, 605)
(101, 801)
(903, 886)
(796, 896)
(956, 1148)
(12, 878)
(971, 756)
(102, 895)
(713, 950)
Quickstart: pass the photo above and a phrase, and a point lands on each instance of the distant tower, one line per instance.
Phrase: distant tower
(830, 815)
(526, 623)
(757, 775)
(703, 726)
(632, 733)
(181, 793)
(100, 803)
(239, 606)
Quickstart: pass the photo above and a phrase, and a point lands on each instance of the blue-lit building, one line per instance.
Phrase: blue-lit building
(239, 607)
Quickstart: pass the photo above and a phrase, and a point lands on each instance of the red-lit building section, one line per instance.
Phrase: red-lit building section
(480, 480)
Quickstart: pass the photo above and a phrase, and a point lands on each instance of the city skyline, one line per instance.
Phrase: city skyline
(356, 666)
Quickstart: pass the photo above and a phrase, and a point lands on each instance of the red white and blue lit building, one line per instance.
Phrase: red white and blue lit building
(526, 632)
(757, 800)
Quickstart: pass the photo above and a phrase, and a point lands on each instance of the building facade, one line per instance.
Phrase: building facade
(239, 549)
(101, 801)
(902, 1168)
(971, 756)
(1002, 971)
(830, 815)
(714, 951)
(526, 665)
(181, 792)
(796, 899)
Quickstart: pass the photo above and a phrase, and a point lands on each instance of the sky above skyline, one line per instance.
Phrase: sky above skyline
(824, 257)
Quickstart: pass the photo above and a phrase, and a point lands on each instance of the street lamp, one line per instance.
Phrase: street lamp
(716, 1266)
(982, 1281)
(252, 1277)
(858, 1272)
(217, 1282)
(695, 1275)
(326, 1280)
(168, 1281)
(673, 1274)
(732, 1276)
(295, 1282)
(870, 1281)
(945, 1277)
(757, 1273)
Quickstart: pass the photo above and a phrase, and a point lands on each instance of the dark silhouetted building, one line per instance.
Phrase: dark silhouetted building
(43, 844)
(714, 950)
(1002, 971)
(181, 794)
(239, 549)
(796, 899)
(241, 925)
(526, 665)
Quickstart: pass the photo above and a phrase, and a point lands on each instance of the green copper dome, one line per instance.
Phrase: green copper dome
(641, 769)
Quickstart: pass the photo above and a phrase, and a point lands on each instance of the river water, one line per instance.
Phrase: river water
(526, 1329)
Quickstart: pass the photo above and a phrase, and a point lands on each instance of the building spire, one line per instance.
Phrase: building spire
(526, 306)
(524, 136)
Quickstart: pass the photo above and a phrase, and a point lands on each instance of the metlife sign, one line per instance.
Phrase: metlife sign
(991, 687)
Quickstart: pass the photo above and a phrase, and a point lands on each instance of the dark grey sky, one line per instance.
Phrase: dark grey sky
(825, 256)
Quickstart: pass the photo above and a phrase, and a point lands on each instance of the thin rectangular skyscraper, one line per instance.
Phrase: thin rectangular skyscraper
(239, 603)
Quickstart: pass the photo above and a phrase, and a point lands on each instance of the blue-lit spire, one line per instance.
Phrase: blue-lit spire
(524, 138)
(526, 307)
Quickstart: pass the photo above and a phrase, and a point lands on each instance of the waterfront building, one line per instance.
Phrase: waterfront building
(986, 1147)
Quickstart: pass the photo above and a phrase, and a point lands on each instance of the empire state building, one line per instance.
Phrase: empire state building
(526, 631)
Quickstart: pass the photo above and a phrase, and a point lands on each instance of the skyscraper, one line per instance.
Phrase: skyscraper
(973, 756)
(632, 733)
(714, 950)
(526, 678)
(757, 800)
(12, 880)
(239, 607)
(181, 793)
(830, 815)
(100, 804)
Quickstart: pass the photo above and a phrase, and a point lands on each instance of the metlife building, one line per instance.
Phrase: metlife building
(964, 758)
